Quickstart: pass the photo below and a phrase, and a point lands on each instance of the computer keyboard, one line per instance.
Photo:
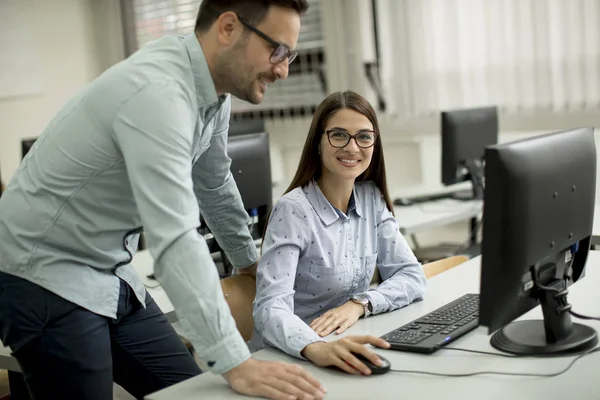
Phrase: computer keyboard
(438, 328)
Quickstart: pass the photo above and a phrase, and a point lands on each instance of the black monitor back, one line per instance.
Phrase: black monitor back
(538, 211)
(465, 134)
(26, 145)
(246, 126)
(251, 169)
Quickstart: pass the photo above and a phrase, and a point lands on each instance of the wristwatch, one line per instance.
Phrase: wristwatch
(362, 299)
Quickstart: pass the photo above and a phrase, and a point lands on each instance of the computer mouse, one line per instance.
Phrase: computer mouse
(375, 369)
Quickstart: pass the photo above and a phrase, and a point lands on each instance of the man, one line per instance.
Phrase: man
(144, 145)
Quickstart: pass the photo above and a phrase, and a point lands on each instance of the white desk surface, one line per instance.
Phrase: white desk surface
(424, 216)
(596, 226)
(430, 215)
(144, 265)
(579, 382)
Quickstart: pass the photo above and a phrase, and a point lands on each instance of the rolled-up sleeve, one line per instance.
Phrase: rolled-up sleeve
(154, 131)
(401, 272)
(219, 198)
(273, 310)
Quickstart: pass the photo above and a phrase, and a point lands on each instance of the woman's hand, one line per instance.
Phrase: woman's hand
(341, 353)
(342, 317)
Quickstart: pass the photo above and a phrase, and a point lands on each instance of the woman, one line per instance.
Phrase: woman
(324, 239)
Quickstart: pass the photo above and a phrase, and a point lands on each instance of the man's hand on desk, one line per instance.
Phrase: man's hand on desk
(273, 380)
(342, 317)
(250, 270)
(340, 353)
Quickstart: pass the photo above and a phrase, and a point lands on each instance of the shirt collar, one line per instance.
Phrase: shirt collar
(206, 93)
(324, 209)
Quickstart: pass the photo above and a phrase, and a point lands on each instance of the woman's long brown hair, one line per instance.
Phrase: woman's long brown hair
(310, 166)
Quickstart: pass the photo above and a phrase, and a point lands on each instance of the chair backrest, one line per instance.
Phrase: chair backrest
(439, 266)
(240, 291)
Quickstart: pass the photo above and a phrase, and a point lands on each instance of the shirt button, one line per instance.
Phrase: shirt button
(349, 237)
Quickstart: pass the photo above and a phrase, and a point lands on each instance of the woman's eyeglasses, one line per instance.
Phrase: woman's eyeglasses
(340, 138)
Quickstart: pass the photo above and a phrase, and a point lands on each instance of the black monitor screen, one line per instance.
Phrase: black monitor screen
(465, 134)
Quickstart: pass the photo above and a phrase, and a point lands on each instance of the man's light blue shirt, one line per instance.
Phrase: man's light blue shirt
(316, 258)
(144, 145)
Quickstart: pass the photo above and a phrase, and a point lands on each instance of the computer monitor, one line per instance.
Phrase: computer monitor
(251, 169)
(537, 224)
(465, 134)
(26, 145)
(245, 126)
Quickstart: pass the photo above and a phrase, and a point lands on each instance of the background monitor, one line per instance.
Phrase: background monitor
(26, 145)
(465, 134)
(251, 169)
(537, 226)
(246, 126)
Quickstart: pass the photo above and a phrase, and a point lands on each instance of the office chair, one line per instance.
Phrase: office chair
(437, 267)
(239, 292)
(431, 269)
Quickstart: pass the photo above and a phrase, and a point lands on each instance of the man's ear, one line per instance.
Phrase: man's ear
(228, 28)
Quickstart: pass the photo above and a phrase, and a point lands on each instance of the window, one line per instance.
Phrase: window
(299, 94)
(523, 55)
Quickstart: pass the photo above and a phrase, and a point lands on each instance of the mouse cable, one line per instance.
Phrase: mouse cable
(489, 353)
(406, 371)
(581, 316)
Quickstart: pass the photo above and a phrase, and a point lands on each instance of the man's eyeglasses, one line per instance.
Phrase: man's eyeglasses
(280, 50)
(340, 138)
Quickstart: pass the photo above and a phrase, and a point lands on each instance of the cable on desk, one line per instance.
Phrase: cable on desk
(406, 371)
(151, 286)
(489, 353)
(581, 316)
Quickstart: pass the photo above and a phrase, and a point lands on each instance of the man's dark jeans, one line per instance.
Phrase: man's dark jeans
(68, 352)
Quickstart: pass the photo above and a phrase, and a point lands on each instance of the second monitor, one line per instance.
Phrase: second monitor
(465, 135)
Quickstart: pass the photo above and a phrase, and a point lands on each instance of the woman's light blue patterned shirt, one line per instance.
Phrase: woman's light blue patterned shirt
(316, 258)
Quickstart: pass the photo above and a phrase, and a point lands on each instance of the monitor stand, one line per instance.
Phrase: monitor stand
(553, 335)
(475, 174)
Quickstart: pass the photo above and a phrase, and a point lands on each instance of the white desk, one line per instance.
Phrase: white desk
(144, 265)
(595, 241)
(421, 217)
(580, 382)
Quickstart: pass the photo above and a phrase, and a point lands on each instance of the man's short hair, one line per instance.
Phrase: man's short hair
(252, 11)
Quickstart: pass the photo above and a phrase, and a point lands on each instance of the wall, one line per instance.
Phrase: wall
(412, 150)
(76, 40)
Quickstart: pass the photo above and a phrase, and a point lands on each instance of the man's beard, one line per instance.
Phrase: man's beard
(236, 76)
